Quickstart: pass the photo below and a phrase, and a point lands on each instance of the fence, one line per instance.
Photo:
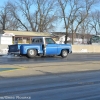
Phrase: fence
(86, 48)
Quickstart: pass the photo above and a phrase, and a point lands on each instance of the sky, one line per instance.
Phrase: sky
(58, 27)
(2, 2)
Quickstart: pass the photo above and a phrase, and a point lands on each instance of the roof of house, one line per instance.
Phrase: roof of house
(25, 33)
(77, 35)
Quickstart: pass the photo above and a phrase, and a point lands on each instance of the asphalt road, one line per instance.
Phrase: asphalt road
(72, 86)
(83, 85)
(70, 58)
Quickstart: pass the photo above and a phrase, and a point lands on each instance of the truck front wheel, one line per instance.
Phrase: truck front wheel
(64, 53)
(31, 53)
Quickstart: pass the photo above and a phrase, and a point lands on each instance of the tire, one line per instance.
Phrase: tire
(64, 53)
(31, 53)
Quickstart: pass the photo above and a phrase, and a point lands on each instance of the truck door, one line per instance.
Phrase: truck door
(51, 47)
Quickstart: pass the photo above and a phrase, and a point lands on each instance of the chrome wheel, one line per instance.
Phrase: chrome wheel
(31, 53)
(64, 53)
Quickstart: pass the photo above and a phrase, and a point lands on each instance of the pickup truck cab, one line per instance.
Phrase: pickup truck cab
(44, 46)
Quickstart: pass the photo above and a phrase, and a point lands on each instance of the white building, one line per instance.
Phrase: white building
(5, 40)
(62, 39)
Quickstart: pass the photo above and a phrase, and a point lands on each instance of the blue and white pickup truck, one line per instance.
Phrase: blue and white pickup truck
(44, 46)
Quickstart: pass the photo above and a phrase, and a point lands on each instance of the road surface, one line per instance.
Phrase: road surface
(51, 78)
(69, 86)
(70, 58)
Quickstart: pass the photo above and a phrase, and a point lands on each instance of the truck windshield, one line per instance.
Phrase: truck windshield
(49, 41)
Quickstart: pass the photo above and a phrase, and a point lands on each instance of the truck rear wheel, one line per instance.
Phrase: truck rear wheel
(31, 53)
(64, 53)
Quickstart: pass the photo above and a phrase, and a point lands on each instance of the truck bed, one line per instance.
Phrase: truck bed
(14, 48)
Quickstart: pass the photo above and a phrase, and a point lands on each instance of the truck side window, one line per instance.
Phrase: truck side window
(41, 41)
(37, 40)
(49, 41)
(33, 40)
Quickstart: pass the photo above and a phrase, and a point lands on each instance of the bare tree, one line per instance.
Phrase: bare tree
(95, 21)
(24, 6)
(78, 12)
(84, 29)
(45, 14)
(63, 5)
(4, 14)
(41, 15)
(34, 15)
(12, 24)
(84, 13)
(75, 8)
(15, 12)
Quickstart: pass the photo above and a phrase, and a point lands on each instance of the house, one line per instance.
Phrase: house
(78, 38)
(59, 37)
(13, 37)
(23, 36)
